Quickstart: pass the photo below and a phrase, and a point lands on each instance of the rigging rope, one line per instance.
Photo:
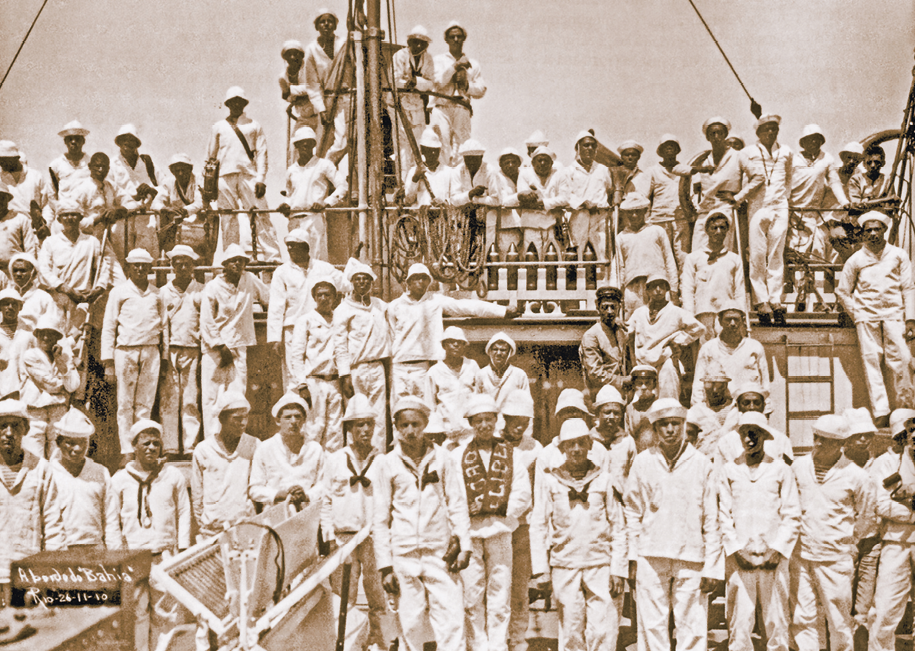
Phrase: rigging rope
(21, 45)
(754, 105)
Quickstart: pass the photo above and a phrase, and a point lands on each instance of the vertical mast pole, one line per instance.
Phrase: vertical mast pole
(360, 143)
(373, 36)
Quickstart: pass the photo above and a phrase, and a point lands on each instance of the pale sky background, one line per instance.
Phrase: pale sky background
(627, 68)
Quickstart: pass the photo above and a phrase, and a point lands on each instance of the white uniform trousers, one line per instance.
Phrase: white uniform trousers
(587, 226)
(894, 589)
(236, 192)
(885, 341)
(178, 399)
(141, 234)
(700, 238)
(325, 420)
(768, 229)
(409, 380)
(317, 223)
(368, 379)
(541, 238)
(588, 615)
(487, 589)
(288, 381)
(865, 586)
(668, 379)
(137, 372)
(41, 419)
(678, 233)
(829, 585)
(744, 589)
(452, 123)
(520, 617)
(363, 565)
(663, 584)
(216, 380)
(425, 583)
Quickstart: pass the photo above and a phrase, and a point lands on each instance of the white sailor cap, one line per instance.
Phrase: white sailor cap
(355, 267)
(480, 403)
(419, 33)
(608, 395)
(582, 135)
(231, 400)
(572, 429)
(755, 419)
(292, 45)
(358, 408)
(811, 130)
(898, 420)
(410, 402)
(832, 426)
(853, 147)
(543, 150)
(767, 119)
(127, 130)
(635, 201)
(324, 11)
(666, 408)
(141, 256)
(8, 149)
(453, 333)
(67, 206)
(501, 336)
(666, 138)
(304, 133)
(180, 159)
(518, 403)
(10, 294)
(750, 387)
(418, 269)
(235, 91)
(75, 425)
(430, 140)
(144, 425)
(571, 399)
(472, 147)
(234, 251)
(715, 120)
(874, 216)
(184, 250)
(860, 421)
(73, 128)
(537, 139)
(454, 24)
(509, 151)
(630, 144)
(289, 399)
(49, 321)
(326, 279)
(15, 408)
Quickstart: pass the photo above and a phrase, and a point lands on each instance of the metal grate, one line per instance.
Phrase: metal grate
(204, 577)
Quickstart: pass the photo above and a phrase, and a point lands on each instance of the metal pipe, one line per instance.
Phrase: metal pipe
(374, 35)
(360, 135)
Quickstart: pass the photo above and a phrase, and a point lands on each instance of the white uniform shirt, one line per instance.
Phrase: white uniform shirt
(133, 317)
(444, 71)
(182, 314)
(743, 364)
(89, 505)
(617, 461)
(174, 198)
(664, 192)
(227, 311)
(126, 178)
(810, 178)
(836, 514)
(759, 502)
(313, 345)
(645, 252)
(364, 333)
(30, 517)
(219, 483)
(67, 173)
(725, 177)
(310, 183)
(462, 184)
(16, 236)
(163, 521)
(318, 67)
(417, 194)
(898, 519)
(346, 506)
(276, 468)
(227, 148)
(46, 383)
(878, 288)
(672, 324)
(416, 326)
(673, 512)
(96, 199)
(405, 69)
(768, 177)
(553, 191)
(569, 534)
(450, 391)
(290, 293)
(411, 515)
(505, 193)
(706, 287)
(27, 185)
(500, 387)
(594, 185)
